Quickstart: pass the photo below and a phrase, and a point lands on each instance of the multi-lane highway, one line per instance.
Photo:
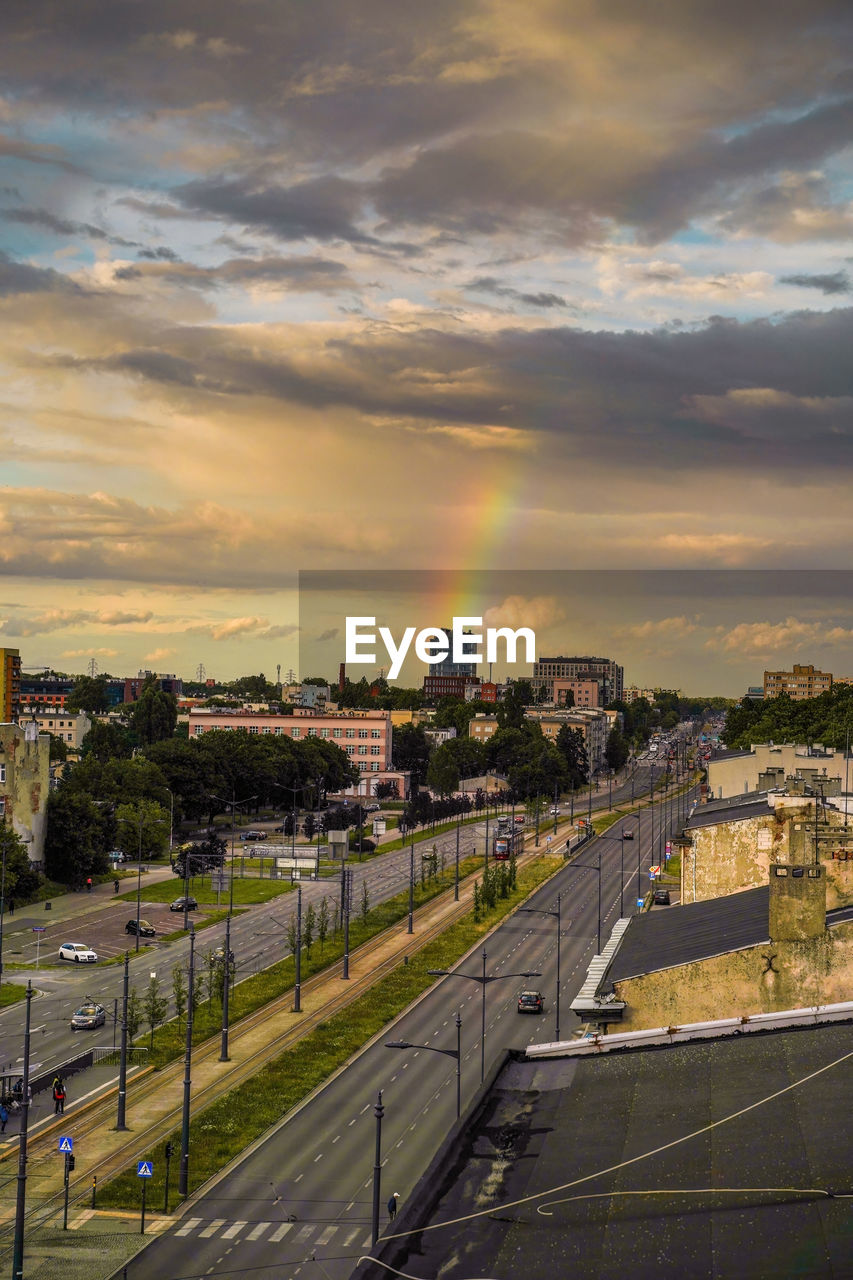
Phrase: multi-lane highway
(300, 1203)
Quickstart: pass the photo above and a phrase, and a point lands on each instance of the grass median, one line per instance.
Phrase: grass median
(228, 1126)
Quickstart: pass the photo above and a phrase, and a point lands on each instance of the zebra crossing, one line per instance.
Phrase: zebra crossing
(343, 1234)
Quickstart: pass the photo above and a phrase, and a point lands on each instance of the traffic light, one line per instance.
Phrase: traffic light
(170, 1150)
(70, 1164)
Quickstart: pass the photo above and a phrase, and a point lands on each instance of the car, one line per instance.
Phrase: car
(531, 1002)
(218, 956)
(253, 835)
(183, 904)
(144, 930)
(626, 834)
(661, 897)
(89, 1016)
(118, 856)
(371, 808)
(554, 810)
(79, 952)
(519, 819)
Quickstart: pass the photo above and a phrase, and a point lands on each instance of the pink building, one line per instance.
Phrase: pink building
(364, 735)
(587, 693)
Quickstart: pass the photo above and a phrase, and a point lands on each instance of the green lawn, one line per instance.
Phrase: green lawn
(247, 891)
(11, 993)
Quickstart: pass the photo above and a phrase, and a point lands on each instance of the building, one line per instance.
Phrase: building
(447, 686)
(133, 685)
(801, 683)
(605, 670)
(39, 692)
(766, 765)
(71, 727)
(593, 724)
(10, 684)
(365, 736)
(24, 785)
(584, 693)
(447, 667)
(632, 693)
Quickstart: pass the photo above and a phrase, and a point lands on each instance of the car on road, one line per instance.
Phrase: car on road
(79, 952)
(519, 819)
(89, 1016)
(218, 956)
(145, 930)
(371, 808)
(626, 834)
(118, 856)
(554, 810)
(253, 835)
(183, 904)
(531, 1002)
(661, 897)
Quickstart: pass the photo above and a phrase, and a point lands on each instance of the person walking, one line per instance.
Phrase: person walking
(58, 1097)
(4, 1117)
(392, 1206)
(115, 886)
(89, 885)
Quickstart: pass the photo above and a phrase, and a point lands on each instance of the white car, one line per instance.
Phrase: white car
(78, 952)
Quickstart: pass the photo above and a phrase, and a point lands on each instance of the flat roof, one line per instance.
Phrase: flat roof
(618, 1151)
(732, 810)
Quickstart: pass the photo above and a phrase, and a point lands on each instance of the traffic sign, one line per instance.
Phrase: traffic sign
(66, 1145)
(39, 928)
(144, 1169)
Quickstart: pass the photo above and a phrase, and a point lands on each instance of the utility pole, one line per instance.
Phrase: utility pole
(21, 1199)
(297, 986)
(122, 1067)
(184, 1171)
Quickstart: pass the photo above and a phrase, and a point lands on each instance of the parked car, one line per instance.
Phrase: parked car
(530, 1002)
(77, 951)
(89, 1016)
(145, 929)
(253, 835)
(371, 808)
(661, 898)
(118, 856)
(626, 834)
(183, 904)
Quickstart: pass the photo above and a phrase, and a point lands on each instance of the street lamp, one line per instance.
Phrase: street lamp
(294, 791)
(483, 981)
(184, 1172)
(556, 914)
(450, 1053)
(159, 822)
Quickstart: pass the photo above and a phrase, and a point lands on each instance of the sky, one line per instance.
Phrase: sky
(476, 285)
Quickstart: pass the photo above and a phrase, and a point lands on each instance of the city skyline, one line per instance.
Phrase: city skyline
(291, 288)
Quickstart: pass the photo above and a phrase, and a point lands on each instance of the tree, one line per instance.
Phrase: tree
(309, 924)
(570, 744)
(323, 923)
(134, 1015)
(292, 935)
(510, 710)
(107, 741)
(58, 748)
(154, 715)
(154, 1006)
(143, 829)
(89, 694)
(386, 791)
(79, 836)
(22, 880)
(411, 752)
(616, 750)
(364, 909)
(309, 825)
(443, 771)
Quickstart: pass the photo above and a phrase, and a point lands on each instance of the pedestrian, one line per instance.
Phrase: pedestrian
(89, 884)
(11, 906)
(115, 886)
(58, 1097)
(392, 1206)
(4, 1117)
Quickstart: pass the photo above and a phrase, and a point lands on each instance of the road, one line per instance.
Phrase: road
(300, 1204)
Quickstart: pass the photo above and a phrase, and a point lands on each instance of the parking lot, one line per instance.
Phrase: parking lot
(103, 931)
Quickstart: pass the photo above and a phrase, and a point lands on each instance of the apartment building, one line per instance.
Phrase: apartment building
(608, 673)
(593, 724)
(70, 727)
(801, 683)
(10, 684)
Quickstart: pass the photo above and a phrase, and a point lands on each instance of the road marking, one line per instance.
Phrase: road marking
(233, 1230)
(299, 1179)
(337, 1139)
(325, 1236)
(189, 1225)
(213, 1228)
(352, 1122)
(258, 1231)
(319, 1157)
(304, 1232)
(348, 1239)
(280, 1232)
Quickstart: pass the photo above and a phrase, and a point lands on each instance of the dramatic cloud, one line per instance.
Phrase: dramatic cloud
(832, 283)
(792, 635)
(537, 612)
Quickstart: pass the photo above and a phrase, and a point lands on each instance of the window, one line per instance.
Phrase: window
(350, 733)
(336, 733)
(266, 729)
(374, 751)
(253, 728)
(362, 751)
(375, 733)
(277, 731)
(362, 733)
(197, 728)
(296, 733)
(312, 733)
(374, 768)
(324, 733)
(350, 751)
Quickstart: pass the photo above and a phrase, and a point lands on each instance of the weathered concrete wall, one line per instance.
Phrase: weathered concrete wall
(27, 761)
(797, 902)
(739, 774)
(768, 977)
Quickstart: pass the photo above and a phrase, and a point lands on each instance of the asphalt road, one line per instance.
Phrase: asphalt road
(300, 1203)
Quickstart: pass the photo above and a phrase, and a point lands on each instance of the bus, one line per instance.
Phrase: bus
(506, 843)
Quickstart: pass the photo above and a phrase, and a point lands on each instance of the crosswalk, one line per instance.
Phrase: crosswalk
(342, 1234)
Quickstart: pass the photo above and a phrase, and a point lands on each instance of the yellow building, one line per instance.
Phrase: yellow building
(803, 682)
(10, 684)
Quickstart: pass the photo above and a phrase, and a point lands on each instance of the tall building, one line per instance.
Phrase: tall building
(609, 674)
(40, 692)
(447, 667)
(10, 684)
(799, 684)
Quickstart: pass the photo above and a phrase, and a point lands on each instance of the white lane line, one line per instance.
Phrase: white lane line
(319, 1157)
(213, 1228)
(325, 1236)
(258, 1231)
(280, 1232)
(348, 1239)
(352, 1122)
(233, 1230)
(304, 1232)
(189, 1225)
(337, 1139)
(299, 1179)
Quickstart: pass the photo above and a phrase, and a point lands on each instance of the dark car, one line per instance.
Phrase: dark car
(530, 1002)
(183, 904)
(145, 930)
(661, 898)
(627, 835)
(253, 835)
(219, 956)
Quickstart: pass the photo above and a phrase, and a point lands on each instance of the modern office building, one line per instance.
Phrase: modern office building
(608, 673)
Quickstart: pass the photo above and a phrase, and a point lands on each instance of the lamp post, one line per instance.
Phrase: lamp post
(159, 821)
(2, 902)
(556, 915)
(184, 1172)
(450, 1053)
(589, 866)
(378, 1112)
(456, 880)
(411, 924)
(484, 980)
(297, 984)
(21, 1198)
(226, 983)
(122, 1066)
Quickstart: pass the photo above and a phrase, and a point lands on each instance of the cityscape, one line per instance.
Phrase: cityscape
(426, 640)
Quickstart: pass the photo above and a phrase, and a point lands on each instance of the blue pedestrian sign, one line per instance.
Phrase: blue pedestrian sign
(66, 1145)
(144, 1169)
